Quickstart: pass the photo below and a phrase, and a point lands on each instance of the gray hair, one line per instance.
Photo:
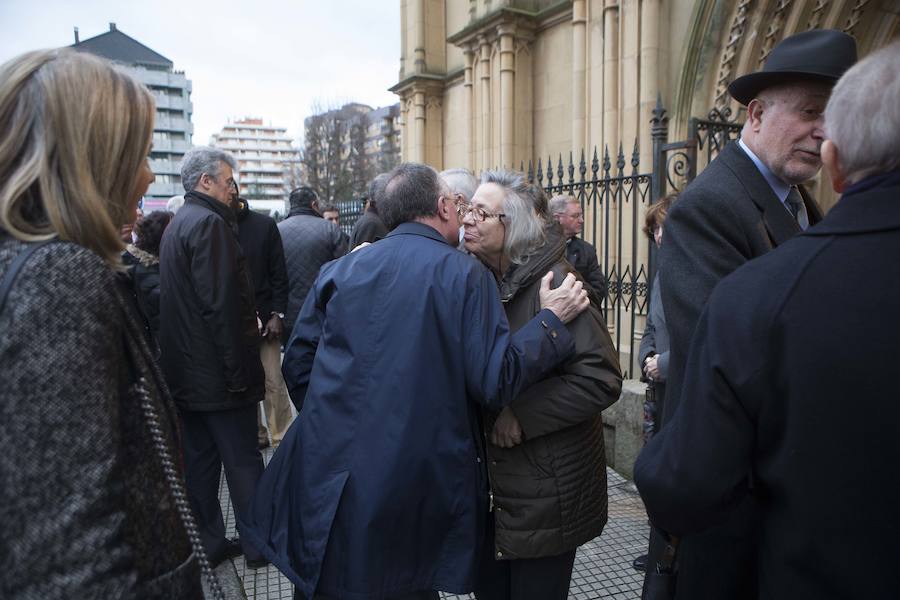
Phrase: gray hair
(174, 204)
(863, 115)
(460, 181)
(524, 228)
(200, 160)
(375, 190)
(411, 191)
(558, 203)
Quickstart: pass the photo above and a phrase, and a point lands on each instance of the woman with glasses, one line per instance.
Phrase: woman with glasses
(546, 461)
(92, 502)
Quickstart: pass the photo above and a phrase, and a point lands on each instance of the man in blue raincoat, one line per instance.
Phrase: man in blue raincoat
(379, 489)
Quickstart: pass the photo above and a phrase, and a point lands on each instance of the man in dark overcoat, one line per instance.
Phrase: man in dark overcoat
(744, 204)
(581, 254)
(261, 242)
(370, 226)
(379, 490)
(785, 388)
(209, 342)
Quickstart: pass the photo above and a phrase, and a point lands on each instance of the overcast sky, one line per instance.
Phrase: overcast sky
(262, 58)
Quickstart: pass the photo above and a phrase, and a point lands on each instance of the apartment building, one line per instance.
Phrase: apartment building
(268, 162)
(173, 130)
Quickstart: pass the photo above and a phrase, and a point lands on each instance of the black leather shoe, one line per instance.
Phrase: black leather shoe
(640, 563)
(256, 563)
(232, 550)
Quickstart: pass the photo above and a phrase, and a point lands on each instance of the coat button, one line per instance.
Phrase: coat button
(478, 458)
(553, 333)
(499, 554)
(493, 463)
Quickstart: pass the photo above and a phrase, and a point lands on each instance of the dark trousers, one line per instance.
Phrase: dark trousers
(659, 398)
(211, 440)
(720, 562)
(429, 595)
(545, 578)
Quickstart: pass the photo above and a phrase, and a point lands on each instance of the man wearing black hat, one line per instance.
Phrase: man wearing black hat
(745, 203)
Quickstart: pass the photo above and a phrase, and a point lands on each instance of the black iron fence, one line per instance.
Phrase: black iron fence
(350, 211)
(614, 192)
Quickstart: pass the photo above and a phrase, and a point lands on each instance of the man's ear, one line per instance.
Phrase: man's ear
(444, 207)
(832, 162)
(755, 110)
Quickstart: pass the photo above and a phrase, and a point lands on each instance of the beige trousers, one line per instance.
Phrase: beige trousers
(277, 405)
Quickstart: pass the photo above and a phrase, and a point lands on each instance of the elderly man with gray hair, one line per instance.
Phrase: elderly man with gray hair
(461, 183)
(370, 226)
(210, 341)
(581, 254)
(785, 380)
(545, 451)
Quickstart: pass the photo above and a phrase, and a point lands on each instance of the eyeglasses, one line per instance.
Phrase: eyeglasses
(478, 213)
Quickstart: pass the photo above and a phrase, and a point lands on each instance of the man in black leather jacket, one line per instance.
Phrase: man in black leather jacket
(210, 340)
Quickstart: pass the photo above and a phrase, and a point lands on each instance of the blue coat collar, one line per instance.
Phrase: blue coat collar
(416, 228)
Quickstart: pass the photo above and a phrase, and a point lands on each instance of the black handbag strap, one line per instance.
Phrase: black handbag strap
(17, 263)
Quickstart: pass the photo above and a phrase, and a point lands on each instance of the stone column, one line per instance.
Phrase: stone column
(650, 83)
(629, 67)
(418, 151)
(507, 93)
(403, 40)
(485, 48)
(611, 102)
(405, 130)
(579, 48)
(418, 18)
(468, 108)
(611, 75)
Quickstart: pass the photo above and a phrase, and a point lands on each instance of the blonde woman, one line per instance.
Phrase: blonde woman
(91, 503)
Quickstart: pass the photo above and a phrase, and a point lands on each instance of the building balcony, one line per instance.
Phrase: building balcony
(165, 190)
(162, 79)
(249, 170)
(167, 123)
(165, 101)
(172, 146)
(245, 180)
(165, 167)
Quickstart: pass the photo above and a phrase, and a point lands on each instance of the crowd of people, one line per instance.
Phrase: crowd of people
(448, 362)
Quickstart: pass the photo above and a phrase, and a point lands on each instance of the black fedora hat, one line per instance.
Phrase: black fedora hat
(817, 54)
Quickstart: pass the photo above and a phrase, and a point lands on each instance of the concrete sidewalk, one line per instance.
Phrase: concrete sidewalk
(602, 566)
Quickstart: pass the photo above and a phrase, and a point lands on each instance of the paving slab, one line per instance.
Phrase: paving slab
(602, 566)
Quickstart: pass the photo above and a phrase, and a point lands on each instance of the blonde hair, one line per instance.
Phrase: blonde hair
(74, 132)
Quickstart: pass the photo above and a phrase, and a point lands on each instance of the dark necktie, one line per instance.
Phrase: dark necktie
(795, 203)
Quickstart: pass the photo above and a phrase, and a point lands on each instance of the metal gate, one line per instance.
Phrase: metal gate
(614, 191)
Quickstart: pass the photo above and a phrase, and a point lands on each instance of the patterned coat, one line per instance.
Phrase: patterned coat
(85, 508)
